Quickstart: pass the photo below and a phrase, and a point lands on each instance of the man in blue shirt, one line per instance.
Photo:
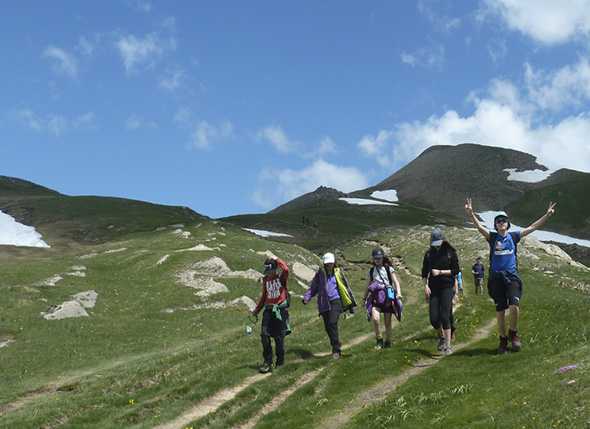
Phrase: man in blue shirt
(504, 283)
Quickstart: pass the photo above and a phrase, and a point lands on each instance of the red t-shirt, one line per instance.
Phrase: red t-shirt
(274, 287)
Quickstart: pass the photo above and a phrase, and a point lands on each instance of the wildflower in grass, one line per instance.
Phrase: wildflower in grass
(132, 402)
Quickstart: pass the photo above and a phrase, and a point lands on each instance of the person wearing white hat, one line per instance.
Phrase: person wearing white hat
(334, 297)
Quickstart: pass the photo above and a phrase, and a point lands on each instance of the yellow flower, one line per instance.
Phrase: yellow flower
(132, 402)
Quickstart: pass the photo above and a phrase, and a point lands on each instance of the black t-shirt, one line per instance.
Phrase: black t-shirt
(445, 258)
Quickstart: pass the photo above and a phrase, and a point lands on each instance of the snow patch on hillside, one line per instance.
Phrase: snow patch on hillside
(265, 234)
(365, 202)
(13, 233)
(389, 195)
(488, 218)
(528, 176)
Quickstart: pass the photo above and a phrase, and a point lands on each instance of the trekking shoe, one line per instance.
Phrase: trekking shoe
(387, 344)
(379, 344)
(503, 346)
(441, 344)
(447, 350)
(336, 355)
(265, 368)
(515, 340)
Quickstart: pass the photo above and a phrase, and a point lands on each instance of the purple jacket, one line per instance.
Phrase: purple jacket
(319, 287)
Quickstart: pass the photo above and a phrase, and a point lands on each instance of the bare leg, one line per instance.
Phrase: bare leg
(500, 317)
(375, 317)
(387, 326)
(514, 313)
(447, 336)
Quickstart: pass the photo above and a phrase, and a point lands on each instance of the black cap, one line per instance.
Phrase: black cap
(269, 265)
(378, 253)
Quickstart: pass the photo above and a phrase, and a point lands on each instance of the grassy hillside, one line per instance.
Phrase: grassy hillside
(89, 219)
(146, 356)
(442, 176)
(330, 222)
(569, 189)
(84, 219)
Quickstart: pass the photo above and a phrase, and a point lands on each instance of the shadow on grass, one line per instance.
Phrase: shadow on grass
(422, 352)
(476, 352)
(300, 353)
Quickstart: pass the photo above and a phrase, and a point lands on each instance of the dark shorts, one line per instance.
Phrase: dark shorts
(385, 308)
(505, 289)
(478, 281)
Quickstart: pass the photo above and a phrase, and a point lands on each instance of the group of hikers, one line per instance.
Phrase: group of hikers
(443, 283)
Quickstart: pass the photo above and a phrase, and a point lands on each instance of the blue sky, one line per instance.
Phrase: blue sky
(233, 107)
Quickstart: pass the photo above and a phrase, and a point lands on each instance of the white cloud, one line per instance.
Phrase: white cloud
(408, 59)
(275, 135)
(85, 46)
(135, 122)
(63, 62)
(172, 80)
(281, 185)
(144, 6)
(87, 119)
(432, 57)
(204, 134)
(546, 21)
(569, 85)
(440, 21)
(327, 146)
(497, 49)
(377, 146)
(144, 51)
(502, 118)
(54, 124)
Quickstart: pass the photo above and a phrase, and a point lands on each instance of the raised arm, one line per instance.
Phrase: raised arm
(480, 227)
(539, 222)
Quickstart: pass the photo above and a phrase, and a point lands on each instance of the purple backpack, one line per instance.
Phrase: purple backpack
(378, 298)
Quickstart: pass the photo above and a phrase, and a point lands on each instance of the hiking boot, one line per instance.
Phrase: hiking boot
(379, 344)
(447, 350)
(503, 346)
(515, 340)
(387, 344)
(265, 368)
(441, 344)
(336, 355)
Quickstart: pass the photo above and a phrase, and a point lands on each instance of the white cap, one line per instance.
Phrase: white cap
(329, 258)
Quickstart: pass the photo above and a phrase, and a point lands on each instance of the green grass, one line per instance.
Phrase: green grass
(337, 222)
(572, 215)
(88, 219)
(131, 365)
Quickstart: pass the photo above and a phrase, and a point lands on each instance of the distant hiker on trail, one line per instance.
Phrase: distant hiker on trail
(383, 295)
(504, 283)
(334, 297)
(439, 270)
(275, 319)
(478, 271)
